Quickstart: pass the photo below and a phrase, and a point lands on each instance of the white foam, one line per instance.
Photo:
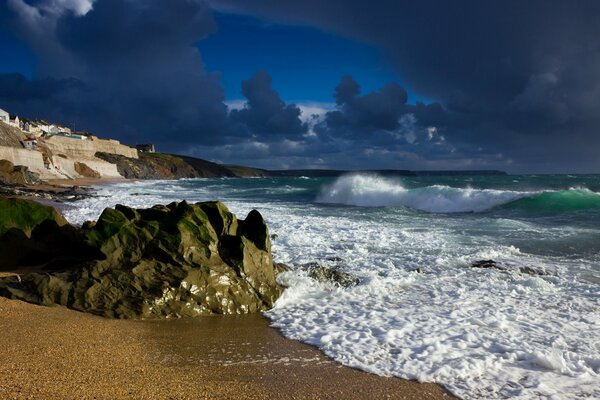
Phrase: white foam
(482, 333)
(376, 191)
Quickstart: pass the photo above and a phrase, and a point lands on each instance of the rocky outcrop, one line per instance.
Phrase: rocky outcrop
(207, 169)
(165, 166)
(24, 215)
(150, 167)
(19, 174)
(167, 261)
(84, 170)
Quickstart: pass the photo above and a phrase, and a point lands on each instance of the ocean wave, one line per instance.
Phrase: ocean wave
(376, 191)
(558, 201)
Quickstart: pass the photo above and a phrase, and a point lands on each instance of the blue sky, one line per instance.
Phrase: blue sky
(304, 63)
(16, 55)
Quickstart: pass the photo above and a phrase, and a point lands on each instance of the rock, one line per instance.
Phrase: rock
(54, 193)
(487, 264)
(87, 225)
(18, 174)
(281, 267)
(532, 271)
(166, 261)
(25, 215)
(321, 273)
(49, 247)
(84, 170)
(152, 166)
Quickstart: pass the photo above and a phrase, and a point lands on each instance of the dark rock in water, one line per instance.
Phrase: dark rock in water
(334, 275)
(532, 271)
(334, 259)
(166, 261)
(274, 236)
(281, 267)
(487, 264)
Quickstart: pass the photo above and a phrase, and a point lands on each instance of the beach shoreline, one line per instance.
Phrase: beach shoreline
(56, 353)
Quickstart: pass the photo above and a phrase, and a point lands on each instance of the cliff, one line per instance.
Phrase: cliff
(170, 166)
(86, 149)
(10, 136)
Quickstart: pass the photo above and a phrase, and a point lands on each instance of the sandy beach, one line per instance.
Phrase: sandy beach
(55, 353)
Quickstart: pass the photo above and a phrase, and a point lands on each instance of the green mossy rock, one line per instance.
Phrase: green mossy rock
(179, 260)
(25, 215)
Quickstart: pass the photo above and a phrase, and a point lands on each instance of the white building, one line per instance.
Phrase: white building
(30, 143)
(14, 121)
(4, 116)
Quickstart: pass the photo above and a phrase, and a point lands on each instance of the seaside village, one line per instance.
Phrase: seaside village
(53, 151)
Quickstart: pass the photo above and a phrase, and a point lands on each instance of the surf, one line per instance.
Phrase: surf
(376, 191)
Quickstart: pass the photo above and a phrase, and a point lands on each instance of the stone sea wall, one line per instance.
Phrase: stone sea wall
(59, 168)
(86, 149)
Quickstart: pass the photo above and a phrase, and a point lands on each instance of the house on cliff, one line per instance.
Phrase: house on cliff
(146, 148)
(30, 143)
(15, 121)
(4, 116)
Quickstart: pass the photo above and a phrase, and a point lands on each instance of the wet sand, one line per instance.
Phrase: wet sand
(55, 353)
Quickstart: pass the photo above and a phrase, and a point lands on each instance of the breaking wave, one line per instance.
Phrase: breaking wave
(376, 191)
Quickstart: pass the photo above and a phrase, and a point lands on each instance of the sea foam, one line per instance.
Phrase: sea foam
(481, 333)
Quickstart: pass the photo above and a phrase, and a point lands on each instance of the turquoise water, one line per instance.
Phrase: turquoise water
(481, 333)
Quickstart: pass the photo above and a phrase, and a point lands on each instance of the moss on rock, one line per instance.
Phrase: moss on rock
(24, 215)
(166, 261)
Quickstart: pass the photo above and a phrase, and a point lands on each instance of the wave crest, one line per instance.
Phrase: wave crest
(376, 191)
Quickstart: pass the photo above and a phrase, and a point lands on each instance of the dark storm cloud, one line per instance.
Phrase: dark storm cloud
(144, 78)
(515, 76)
(265, 113)
(16, 88)
(130, 69)
(355, 114)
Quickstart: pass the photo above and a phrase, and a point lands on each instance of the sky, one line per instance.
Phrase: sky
(379, 84)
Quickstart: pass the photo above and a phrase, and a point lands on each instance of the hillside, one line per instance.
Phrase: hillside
(10, 136)
(171, 166)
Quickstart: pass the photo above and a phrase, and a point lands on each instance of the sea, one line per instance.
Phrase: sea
(528, 329)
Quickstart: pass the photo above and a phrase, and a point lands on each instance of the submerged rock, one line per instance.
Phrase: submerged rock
(166, 261)
(487, 264)
(532, 271)
(321, 273)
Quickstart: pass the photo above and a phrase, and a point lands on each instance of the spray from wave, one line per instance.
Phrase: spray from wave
(376, 191)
